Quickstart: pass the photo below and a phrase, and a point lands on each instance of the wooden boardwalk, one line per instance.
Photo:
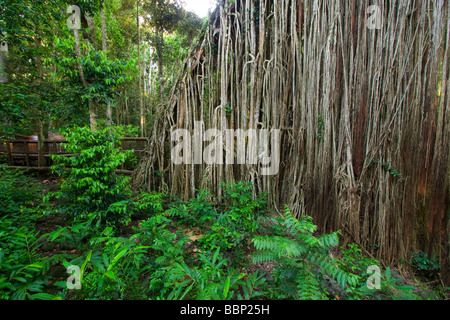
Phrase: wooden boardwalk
(24, 152)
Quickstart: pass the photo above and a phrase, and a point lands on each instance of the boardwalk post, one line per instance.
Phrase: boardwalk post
(27, 154)
(121, 147)
(55, 151)
(9, 158)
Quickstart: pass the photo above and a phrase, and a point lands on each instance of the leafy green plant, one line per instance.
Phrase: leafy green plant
(320, 126)
(392, 171)
(197, 212)
(238, 219)
(221, 234)
(113, 272)
(353, 261)
(17, 191)
(299, 256)
(251, 287)
(21, 266)
(208, 281)
(166, 246)
(91, 189)
(425, 266)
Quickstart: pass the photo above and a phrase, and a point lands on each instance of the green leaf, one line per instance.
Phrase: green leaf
(116, 258)
(226, 287)
(110, 274)
(388, 273)
(43, 296)
(62, 284)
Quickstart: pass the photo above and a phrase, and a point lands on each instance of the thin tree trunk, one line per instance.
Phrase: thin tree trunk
(3, 61)
(104, 36)
(105, 49)
(159, 53)
(39, 122)
(141, 104)
(92, 104)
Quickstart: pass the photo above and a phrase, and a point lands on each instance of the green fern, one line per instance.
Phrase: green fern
(308, 287)
(302, 251)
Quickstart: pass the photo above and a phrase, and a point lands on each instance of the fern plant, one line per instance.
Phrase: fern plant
(301, 259)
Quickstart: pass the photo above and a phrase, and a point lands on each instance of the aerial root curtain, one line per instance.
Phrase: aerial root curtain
(361, 102)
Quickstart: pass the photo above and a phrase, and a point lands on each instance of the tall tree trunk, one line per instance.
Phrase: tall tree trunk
(127, 111)
(39, 122)
(141, 104)
(105, 49)
(104, 34)
(92, 104)
(160, 53)
(3, 61)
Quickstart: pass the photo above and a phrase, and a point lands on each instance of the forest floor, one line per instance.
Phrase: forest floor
(424, 288)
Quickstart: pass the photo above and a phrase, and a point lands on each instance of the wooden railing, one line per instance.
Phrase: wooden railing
(25, 152)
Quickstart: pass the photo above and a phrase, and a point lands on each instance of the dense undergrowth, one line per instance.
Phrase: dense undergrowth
(89, 236)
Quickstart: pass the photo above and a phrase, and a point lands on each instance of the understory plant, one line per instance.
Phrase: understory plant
(17, 192)
(301, 260)
(238, 220)
(92, 190)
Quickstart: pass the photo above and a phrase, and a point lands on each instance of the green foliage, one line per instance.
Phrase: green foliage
(150, 203)
(320, 127)
(298, 256)
(209, 281)
(113, 272)
(102, 74)
(17, 192)
(238, 220)
(353, 261)
(425, 266)
(22, 269)
(128, 131)
(91, 189)
(196, 212)
(392, 171)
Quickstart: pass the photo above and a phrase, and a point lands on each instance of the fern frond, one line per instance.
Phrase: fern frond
(328, 266)
(280, 246)
(329, 240)
(308, 286)
(266, 256)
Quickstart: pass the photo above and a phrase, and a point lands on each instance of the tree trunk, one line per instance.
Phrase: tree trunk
(92, 104)
(141, 104)
(159, 53)
(3, 61)
(105, 49)
(39, 122)
(104, 36)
